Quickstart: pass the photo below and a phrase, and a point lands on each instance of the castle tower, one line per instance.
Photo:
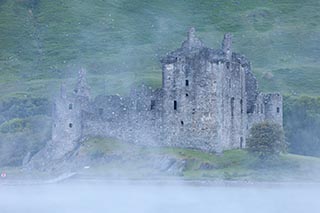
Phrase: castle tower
(82, 89)
(273, 108)
(192, 41)
(226, 45)
(191, 82)
(67, 113)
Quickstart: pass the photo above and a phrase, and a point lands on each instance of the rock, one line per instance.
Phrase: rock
(207, 166)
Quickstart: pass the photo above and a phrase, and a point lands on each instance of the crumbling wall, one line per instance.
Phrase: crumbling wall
(209, 100)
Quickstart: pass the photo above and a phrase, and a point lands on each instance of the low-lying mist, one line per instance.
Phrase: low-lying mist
(160, 197)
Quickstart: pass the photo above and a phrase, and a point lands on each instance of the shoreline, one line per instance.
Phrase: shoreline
(72, 179)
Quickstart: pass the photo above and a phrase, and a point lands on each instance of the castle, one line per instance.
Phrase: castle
(209, 100)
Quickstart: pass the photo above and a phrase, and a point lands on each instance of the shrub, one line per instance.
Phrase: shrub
(266, 140)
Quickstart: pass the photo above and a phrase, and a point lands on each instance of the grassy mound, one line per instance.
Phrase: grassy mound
(133, 161)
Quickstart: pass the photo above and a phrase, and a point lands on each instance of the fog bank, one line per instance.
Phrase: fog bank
(100, 197)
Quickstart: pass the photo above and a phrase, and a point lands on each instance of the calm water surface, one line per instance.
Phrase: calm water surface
(139, 198)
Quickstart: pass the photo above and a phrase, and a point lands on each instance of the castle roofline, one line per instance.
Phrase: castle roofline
(193, 45)
(192, 42)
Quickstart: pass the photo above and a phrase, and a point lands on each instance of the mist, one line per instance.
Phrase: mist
(81, 197)
(120, 44)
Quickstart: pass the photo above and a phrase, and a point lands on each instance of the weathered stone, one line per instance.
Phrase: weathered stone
(207, 166)
(209, 100)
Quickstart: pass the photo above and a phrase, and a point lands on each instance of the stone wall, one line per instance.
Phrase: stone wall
(209, 100)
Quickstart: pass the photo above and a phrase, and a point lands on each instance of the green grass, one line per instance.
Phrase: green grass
(133, 161)
(123, 40)
(120, 42)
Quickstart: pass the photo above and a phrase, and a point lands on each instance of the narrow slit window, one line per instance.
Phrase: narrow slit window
(70, 106)
(175, 105)
(70, 125)
(182, 123)
(241, 142)
(187, 83)
(100, 111)
(241, 106)
(153, 104)
(228, 65)
(278, 109)
(232, 106)
(261, 108)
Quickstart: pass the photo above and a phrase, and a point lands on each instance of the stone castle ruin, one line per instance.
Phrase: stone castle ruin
(209, 100)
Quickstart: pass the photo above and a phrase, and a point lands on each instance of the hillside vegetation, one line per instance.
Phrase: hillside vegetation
(126, 160)
(120, 42)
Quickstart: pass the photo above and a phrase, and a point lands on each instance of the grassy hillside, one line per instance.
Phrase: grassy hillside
(108, 158)
(120, 41)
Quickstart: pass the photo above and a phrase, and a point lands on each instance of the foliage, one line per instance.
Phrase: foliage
(229, 165)
(18, 137)
(46, 40)
(302, 124)
(266, 140)
(22, 107)
(14, 125)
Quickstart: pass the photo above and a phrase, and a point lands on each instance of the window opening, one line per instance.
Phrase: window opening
(100, 111)
(153, 104)
(187, 94)
(175, 105)
(228, 65)
(261, 108)
(241, 142)
(70, 125)
(232, 106)
(241, 106)
(70, 106)
(182, 123)
(187, 83)
(278, 110)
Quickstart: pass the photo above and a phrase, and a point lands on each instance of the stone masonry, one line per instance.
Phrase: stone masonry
(209, 100)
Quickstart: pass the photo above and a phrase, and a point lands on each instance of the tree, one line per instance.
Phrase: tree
(266, 140)
(303, 114)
